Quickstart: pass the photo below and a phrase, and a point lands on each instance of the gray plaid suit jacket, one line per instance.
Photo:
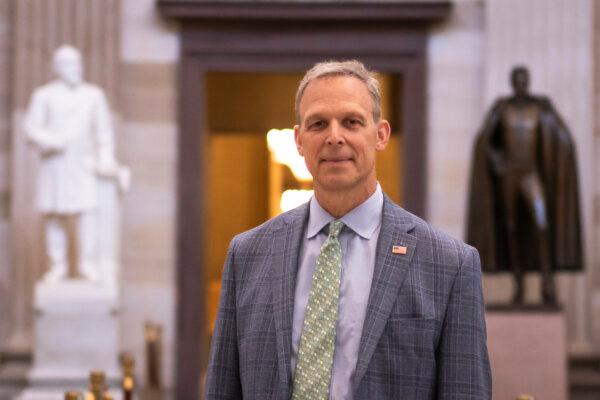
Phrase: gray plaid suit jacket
(424, 334)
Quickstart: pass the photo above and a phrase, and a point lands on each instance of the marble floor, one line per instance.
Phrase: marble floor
(584, 377)
(13, 380)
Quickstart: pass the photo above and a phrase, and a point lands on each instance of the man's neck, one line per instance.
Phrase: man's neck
(341, 202)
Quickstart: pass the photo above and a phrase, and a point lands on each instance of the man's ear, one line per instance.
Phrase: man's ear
(298, 139)
(383, 134)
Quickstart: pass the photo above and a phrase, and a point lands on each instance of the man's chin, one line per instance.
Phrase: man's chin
(335, 184)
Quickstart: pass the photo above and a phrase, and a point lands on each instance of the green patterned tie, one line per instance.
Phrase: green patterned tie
(315, 353)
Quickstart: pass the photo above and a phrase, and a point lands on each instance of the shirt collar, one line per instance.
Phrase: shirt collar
(363, 219)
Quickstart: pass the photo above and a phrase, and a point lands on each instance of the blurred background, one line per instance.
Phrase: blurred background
(194, 88)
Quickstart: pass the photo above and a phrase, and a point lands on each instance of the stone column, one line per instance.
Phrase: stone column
(554, 40)
(6, 26)
(455, 76)
(595, 308)
(40, 27)
(149, 122)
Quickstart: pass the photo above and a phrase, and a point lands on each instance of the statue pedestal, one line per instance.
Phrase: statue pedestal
(76, 331)
(528, 352)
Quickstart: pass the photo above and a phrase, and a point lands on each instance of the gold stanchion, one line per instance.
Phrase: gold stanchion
(73, 395)
(153, 334)
(128, 381)
(97, 385)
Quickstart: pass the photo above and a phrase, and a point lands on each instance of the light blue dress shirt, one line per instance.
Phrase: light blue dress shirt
(359, 242)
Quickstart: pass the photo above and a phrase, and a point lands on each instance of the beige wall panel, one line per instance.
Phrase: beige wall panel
(596, 129)
(5, 90)
(595, 308)
(5, 78)
(5, 70)
(149, 93)
(25, 243)
(5, 101)
(149, 207)
(454, 96)
(146, 37)
(147, 143)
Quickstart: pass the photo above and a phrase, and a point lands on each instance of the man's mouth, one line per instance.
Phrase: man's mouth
(336, 160)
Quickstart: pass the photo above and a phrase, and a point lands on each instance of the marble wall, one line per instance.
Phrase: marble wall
(595, 235)
(5, 145)
(148, 135)
(455, 108)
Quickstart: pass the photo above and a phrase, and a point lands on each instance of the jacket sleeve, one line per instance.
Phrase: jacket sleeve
(223, 379)
(463, 369)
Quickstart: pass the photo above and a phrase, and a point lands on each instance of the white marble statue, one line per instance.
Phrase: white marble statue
(69, 122)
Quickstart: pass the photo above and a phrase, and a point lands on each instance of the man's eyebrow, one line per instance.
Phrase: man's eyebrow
(314, 116)
(357, 115)
(317, 115)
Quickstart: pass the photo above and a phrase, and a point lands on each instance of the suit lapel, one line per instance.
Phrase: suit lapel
(285, 250)
(389, 274)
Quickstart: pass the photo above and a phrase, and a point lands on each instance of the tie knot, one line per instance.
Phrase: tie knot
(335, 227)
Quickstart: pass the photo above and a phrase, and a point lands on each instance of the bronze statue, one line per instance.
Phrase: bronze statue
(524, 201)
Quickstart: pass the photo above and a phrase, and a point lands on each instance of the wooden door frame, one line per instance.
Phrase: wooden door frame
(246, 36)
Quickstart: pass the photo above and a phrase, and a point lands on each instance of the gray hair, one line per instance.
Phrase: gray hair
(352, 68)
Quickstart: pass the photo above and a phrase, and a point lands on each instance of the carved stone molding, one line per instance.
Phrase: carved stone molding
(362, 11)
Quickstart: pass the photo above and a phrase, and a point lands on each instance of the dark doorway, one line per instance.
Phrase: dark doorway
(241, 108)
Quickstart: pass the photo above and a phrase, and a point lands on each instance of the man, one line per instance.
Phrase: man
(348, 296)
(68, 121)
(524, 204)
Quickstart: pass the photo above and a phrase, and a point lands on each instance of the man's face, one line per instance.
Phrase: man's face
(337, 135)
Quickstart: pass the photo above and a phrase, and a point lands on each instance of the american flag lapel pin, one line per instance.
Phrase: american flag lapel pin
(399, 249)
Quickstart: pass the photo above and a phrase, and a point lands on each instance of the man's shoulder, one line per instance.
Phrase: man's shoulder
(266, 230)
(427, 235)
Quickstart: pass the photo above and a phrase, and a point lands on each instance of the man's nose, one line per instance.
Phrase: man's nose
(335, 135)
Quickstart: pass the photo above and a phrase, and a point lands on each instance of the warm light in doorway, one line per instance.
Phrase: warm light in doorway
(293, 198)
(282, 154)
(283, 148)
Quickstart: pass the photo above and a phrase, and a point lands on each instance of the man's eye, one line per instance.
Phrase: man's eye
(354, 122)
(317, 125)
